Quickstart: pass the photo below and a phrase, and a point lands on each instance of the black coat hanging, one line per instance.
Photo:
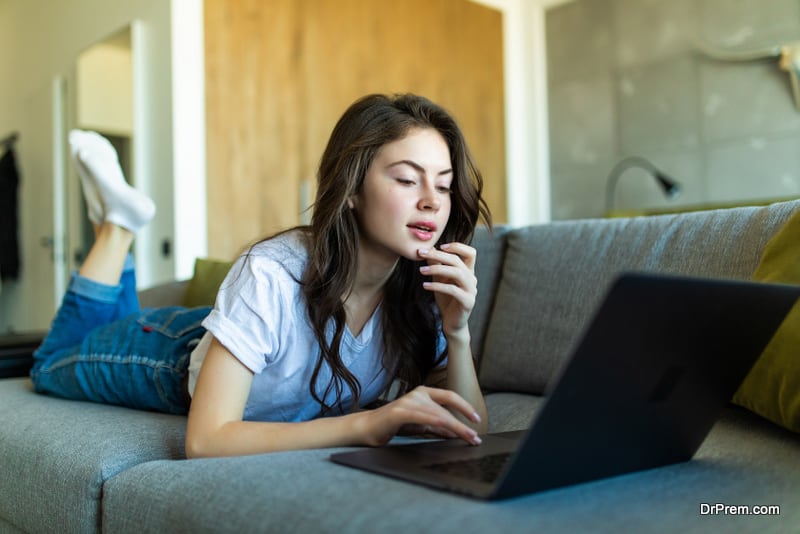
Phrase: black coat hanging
(9, 212)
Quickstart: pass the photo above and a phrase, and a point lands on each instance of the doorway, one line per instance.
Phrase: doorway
(104, 104)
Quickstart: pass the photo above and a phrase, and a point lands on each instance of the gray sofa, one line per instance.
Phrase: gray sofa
(78, 467)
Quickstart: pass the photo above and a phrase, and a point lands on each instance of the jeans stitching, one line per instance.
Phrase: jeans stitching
(156, 366)
(108, 358)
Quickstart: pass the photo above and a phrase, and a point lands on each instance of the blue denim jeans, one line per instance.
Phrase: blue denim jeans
(102, 348)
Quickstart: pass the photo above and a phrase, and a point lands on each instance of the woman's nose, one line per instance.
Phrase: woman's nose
(429, 200)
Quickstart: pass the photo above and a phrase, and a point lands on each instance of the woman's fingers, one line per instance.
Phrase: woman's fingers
(432, 407)
(426, 431)
(466, 253)
(424, 411)
(451, 254)
(460, 275)
(452, 272)
(452, 400)
(444, 425)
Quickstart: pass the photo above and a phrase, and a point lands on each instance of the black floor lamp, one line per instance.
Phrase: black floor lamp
(670, 187)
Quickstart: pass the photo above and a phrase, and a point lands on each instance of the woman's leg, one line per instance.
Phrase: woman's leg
(107, 256)
(88, 305)
(99, 293)
(139, 361)
(98, 349)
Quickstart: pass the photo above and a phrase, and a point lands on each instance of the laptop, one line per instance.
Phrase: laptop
(652, 372)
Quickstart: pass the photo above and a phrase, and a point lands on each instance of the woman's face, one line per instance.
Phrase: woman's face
(404, 202)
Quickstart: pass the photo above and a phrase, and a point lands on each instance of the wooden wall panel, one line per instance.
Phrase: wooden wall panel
(281, 72)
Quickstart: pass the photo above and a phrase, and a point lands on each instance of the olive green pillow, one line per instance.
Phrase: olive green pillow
(772, 389)
(203, 287)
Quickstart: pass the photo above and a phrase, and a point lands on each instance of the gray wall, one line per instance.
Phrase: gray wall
(624, 79)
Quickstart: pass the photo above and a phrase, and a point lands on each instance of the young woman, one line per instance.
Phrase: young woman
(311, 327)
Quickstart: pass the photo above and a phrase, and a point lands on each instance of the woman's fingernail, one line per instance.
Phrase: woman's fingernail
(424, 269)
(423, 251)
(476, 417)
(476, 440)
(445, 246)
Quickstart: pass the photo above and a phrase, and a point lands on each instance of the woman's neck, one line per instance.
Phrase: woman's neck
(367, 292)
(375, 266)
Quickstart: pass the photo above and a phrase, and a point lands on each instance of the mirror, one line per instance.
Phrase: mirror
(104, 104)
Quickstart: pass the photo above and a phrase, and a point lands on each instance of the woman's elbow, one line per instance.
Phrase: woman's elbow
(194, 447)
(199, 445)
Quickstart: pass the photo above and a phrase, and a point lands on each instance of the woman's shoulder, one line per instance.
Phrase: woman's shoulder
(287, 251)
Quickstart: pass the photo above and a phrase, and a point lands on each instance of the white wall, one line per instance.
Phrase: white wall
(105, 89)
(526, 102)
(189, 135)
(8, 61)
(40, 40)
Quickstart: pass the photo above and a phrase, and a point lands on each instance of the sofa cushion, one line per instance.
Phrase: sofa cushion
(57, 454)
(204, 284)
(566, 267)
(511, 411)
(772, 388)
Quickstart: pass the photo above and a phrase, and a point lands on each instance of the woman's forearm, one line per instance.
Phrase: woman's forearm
(442, 412)
(237, 438)
(462, 378)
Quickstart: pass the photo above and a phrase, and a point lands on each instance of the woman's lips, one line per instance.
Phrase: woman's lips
(424, 231)
(422, 235)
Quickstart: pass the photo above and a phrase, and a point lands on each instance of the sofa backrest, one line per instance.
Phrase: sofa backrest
(491, 247)
(553, 276)
(162, 295)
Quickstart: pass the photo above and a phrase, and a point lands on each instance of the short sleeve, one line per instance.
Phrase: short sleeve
(249, 310)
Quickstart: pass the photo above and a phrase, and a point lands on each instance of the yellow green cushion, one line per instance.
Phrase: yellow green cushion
(208, 276)
(772, 389)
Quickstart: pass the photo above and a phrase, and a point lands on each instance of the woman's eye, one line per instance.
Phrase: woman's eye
(405, 181)
(444, 189)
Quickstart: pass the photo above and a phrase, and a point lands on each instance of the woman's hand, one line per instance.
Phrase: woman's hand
(454, 284)
(423, 410)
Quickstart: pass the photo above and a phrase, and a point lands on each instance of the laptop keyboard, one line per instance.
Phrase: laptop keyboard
(484, 468)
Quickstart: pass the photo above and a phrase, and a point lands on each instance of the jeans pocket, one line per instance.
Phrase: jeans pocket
(174, 322)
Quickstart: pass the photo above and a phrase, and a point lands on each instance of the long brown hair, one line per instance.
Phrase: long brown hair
(409, 322)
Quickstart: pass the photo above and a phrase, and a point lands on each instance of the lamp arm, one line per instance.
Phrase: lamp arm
(790, 62)
(726, 54)
(616, 173)
(793, 77)
(788, 55)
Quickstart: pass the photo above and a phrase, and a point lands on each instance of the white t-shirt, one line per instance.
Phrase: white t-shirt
(260, 317)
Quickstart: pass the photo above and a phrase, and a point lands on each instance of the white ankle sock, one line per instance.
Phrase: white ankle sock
(94, 203)
(123, 205)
